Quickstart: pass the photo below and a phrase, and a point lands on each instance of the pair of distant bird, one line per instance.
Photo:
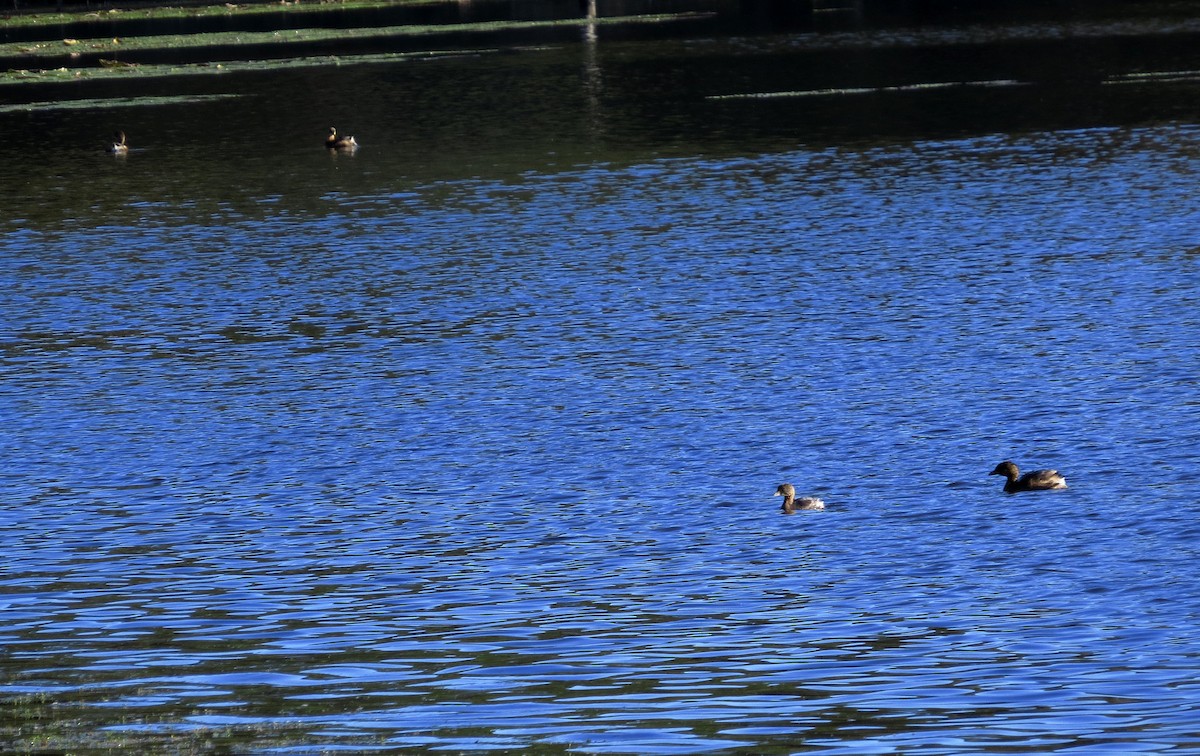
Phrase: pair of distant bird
(333, 142)
(1038, 480)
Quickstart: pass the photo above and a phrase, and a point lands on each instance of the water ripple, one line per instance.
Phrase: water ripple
(438, 486)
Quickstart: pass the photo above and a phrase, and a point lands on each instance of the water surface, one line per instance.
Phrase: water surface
(466, 441)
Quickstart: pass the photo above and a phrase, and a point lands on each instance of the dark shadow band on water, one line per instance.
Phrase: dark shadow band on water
(627, 95)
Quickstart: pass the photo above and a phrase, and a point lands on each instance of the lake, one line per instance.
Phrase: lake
(466, 441)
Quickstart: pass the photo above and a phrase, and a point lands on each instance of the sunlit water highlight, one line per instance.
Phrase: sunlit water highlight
(486, 464)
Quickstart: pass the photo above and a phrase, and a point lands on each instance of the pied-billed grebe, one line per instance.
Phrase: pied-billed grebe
(1038, 480)
(118, 147)
(792, 504)
(335, 142)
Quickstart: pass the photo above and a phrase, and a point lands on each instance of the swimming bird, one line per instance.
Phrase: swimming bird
(118, 147)
(792, 504)
(335, 142)
(1038, 480)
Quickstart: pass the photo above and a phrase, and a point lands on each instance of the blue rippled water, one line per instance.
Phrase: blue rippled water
(486, 464)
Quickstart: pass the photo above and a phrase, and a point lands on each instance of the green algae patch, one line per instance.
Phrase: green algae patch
(114, 45)
(64, 75)
(118, 102)
(28, 20)
(101, 59)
